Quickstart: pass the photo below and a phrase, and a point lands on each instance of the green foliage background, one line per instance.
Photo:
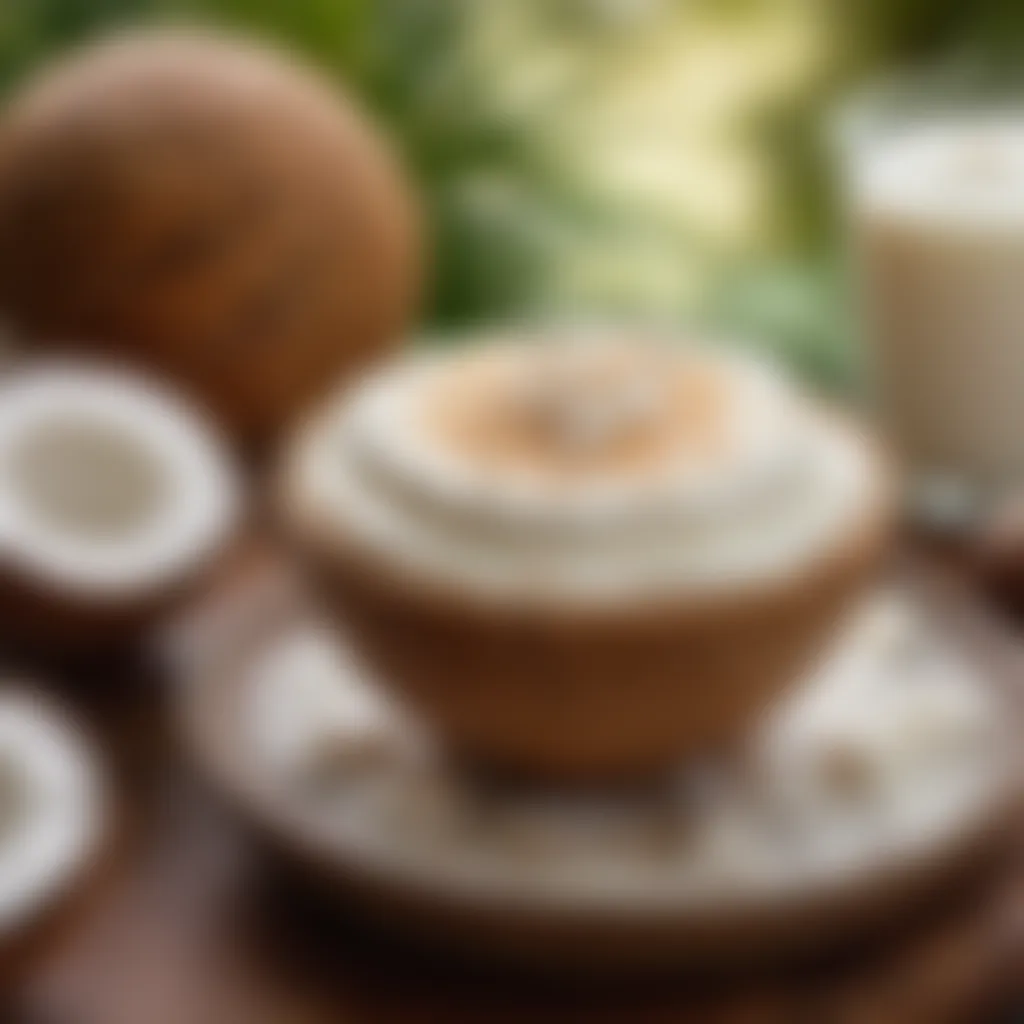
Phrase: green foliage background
(523, 225)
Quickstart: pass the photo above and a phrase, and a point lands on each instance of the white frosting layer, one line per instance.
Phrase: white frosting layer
(781, 486)
(197, 500)
(57, 812)
(893, 754)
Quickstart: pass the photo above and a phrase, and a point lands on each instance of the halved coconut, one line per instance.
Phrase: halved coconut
(53, 818)
(113, 495)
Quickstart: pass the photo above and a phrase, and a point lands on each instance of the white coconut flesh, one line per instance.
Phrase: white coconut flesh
(894, 755)
(586, 469)
(108, 484)
(52, 806)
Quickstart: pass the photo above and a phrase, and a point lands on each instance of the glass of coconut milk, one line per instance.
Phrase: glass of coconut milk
(936, 215)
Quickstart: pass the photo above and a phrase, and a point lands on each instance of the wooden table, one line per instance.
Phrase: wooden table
(188, 926)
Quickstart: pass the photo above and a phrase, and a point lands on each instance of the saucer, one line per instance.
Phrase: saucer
(885, 778)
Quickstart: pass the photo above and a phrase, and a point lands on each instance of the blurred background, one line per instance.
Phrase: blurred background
(661, 159)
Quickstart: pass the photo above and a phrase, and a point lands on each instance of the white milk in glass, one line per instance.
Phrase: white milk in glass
(938, 219)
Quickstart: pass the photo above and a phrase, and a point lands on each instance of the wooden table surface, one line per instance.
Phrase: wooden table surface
(187, 925)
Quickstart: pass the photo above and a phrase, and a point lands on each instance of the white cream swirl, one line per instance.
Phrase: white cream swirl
(444, 464)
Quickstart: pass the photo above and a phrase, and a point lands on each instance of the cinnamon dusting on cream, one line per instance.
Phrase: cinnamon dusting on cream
(581, 410)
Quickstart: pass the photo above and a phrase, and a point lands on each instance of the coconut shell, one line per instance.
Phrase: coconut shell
(208, 209)
(47, 624)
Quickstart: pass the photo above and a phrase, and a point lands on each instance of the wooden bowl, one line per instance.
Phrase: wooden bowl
(575, 692)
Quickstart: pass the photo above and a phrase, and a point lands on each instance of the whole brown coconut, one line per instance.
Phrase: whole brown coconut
(209, 209)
